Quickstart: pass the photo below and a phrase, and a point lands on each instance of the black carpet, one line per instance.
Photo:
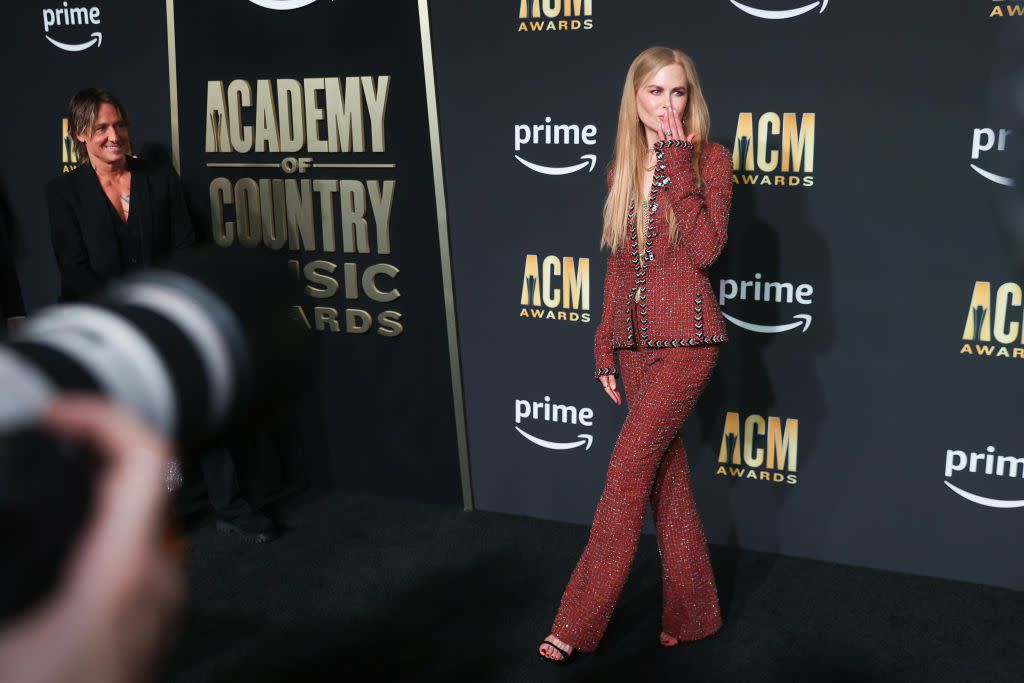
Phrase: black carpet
(370, 589)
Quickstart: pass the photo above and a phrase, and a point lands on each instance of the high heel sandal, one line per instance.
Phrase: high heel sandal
(665, 635)
(566, 656)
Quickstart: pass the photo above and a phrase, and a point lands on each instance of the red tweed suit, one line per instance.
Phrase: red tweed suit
(668, 349)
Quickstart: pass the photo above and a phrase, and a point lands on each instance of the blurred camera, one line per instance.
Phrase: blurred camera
(198, 350)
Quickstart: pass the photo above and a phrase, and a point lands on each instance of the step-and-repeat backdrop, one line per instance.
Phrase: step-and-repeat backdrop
(300, 127)
(865, 409)
(304, 129)
(50, 50)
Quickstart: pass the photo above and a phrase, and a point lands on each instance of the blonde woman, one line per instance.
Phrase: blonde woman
(664, 224)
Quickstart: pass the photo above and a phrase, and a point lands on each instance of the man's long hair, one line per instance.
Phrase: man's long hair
(83, 109)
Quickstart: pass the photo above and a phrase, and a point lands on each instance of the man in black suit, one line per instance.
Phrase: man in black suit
(116, 213)
(106, 222)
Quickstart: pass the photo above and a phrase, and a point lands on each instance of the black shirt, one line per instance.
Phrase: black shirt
(129, 241)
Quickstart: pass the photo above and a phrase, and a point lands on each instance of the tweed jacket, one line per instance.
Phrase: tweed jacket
(677, 306)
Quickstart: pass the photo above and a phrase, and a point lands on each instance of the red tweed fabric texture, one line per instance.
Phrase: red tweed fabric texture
(648, 464)
(677, 305)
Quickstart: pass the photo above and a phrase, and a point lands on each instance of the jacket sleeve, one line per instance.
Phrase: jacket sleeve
(78, 279)
(701, 217)
(183, 234)
(604, 356)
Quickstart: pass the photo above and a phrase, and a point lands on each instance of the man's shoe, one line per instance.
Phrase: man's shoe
(250, 525)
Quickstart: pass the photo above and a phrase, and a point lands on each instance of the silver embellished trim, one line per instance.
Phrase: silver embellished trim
(685, 144)
(640, 261)
(659, 181)
(692, 341)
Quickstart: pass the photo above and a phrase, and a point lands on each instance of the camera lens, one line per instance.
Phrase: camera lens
(195, 350)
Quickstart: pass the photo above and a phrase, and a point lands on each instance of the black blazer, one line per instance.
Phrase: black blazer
(80, 224)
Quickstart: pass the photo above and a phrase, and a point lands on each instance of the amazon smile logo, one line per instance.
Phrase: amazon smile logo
(282, 5)
(763, 291)
(781, 13)
(559, 134)
(984, 140)
(546, 411)
(992, 471)
(72, 16)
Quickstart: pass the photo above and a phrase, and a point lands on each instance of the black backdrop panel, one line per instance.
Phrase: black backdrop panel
(385, 393)
(49, 51)
(863, 411)
(843, 416)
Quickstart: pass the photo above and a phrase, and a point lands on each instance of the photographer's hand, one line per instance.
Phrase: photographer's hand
(123, 585)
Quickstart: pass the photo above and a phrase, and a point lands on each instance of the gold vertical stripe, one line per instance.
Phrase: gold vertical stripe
(172, 79)
(446, 260)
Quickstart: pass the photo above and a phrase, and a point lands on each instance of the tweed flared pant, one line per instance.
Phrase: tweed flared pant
(648, 465)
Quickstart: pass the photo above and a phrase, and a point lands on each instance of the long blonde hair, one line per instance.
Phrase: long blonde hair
(631, 141)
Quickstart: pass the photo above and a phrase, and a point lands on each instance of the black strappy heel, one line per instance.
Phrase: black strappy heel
(566, 656)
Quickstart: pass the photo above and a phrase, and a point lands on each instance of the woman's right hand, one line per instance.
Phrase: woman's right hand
(610, 388)
(672, 128)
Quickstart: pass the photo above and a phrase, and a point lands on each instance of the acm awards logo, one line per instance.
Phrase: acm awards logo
(71, 23)
(778, 151)
(1003, 10)
(759, 448)
(788, 13)
(767, 292)
(555, 15)
(993, 325)
(543, 413)
(992, 473)
(558, 134)
(69, 155)
(983, 141)
(556, 288)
